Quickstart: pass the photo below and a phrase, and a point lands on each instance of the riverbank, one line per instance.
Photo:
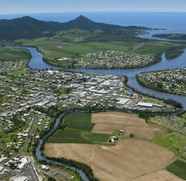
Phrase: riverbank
(61, 161)
(74, 54)
(56, 77)
(84, 171)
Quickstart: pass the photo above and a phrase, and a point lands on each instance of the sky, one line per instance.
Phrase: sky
(60, 6)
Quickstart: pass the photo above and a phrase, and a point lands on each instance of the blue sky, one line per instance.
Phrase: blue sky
(39, 6)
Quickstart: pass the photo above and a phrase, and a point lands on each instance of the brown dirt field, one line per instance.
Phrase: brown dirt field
(107, 122)
(161, 175)
(129, 159)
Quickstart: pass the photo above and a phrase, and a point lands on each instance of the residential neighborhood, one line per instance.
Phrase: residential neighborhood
(168, 81)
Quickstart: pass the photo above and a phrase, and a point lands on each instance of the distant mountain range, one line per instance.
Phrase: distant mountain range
(27, 27)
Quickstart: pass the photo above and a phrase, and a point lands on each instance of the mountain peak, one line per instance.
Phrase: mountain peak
(82, 19)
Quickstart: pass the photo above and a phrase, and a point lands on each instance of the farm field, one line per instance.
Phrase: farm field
(110, 122)
(77, 129)
(130, 159)
(125, 161)
(161, 175)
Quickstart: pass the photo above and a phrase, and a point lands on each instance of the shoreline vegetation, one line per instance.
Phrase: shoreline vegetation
(174, 52)
(62, 123)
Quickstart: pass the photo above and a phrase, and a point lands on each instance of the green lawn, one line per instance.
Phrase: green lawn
(178, 168)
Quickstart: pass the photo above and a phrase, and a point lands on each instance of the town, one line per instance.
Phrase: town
(109, 59)
(27, 100)
(91, 98)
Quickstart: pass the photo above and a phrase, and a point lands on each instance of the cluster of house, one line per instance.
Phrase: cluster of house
(14, 167)
(171, 81)
(32, 123)
(7, 66)
(40, 91)
(115, 59)
(108, 92)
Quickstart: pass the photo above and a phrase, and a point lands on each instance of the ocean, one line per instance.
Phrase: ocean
(172, 22)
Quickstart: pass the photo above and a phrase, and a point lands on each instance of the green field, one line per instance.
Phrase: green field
(57, 47)
(77, 129)
(174, 52)
(80, 121)
(173, 141)
(178, 168)
(175, 138)
(13, 54)
(13, 61)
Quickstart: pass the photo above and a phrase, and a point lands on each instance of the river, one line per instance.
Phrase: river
(37, 63)
(39, 149)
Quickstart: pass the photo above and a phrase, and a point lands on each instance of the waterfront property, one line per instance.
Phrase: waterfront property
(173, 82)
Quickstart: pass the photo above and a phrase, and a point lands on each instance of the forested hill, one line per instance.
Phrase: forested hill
(28, 27)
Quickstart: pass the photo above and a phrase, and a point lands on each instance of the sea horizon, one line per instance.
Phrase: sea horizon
(171, 21)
